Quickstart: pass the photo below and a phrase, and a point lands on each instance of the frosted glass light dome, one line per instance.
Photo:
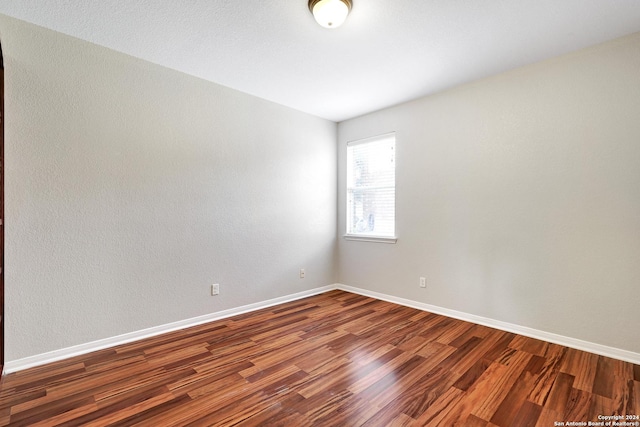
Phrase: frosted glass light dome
(330, 13)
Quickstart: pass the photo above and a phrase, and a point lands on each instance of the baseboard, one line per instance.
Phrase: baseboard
(603, 350)
(65, 353)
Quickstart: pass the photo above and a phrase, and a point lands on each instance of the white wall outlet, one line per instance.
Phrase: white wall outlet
(423, 282)
(215, 289)
(302, 273)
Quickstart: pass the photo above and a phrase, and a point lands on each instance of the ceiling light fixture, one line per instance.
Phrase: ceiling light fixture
(330, 13)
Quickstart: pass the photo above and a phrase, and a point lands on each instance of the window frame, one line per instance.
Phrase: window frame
(367, 237)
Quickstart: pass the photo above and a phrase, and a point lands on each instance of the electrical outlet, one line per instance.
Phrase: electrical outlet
(423, 282)
(302, 273)
(215, 289)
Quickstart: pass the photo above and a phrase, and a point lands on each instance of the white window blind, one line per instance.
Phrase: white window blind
(371, 187)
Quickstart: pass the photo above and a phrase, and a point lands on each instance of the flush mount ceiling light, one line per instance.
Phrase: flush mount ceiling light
(330, 13)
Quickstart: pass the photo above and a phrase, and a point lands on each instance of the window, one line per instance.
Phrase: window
(371, 189)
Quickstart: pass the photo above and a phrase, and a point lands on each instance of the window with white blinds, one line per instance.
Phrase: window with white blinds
(371, 187)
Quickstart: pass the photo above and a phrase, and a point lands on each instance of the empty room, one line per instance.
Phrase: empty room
(320, 213)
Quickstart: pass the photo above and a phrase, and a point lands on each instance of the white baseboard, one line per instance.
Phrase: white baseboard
(603, 350)
(65, 353)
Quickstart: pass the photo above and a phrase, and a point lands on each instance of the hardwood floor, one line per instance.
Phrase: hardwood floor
(336, 359)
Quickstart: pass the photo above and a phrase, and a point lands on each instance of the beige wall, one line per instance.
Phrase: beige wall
(518, 198)
(130, 188)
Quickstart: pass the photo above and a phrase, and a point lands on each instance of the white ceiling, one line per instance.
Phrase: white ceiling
(388, 51)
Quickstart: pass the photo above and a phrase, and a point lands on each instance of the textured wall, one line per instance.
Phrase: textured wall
(518, 197)
(130, 188)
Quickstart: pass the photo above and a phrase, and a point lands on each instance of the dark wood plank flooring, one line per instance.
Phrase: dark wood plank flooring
(335, 359)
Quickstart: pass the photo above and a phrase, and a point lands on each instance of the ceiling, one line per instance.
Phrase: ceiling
(386, 53)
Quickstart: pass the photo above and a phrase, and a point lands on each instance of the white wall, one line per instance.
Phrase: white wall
(518, 197)
(130, 188)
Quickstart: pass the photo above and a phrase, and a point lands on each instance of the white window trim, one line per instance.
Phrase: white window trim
(373, 239)
(364, 237)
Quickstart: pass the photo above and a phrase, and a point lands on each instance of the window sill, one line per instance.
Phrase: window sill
(373, 239)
